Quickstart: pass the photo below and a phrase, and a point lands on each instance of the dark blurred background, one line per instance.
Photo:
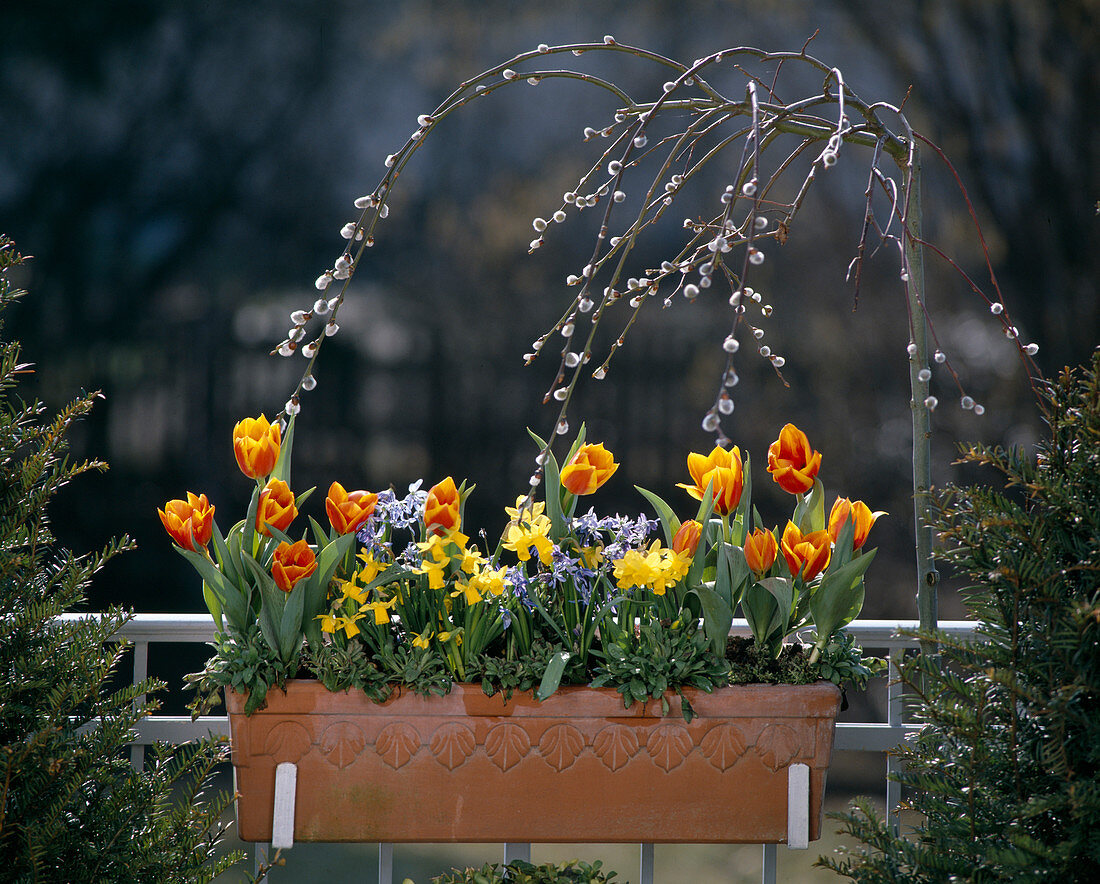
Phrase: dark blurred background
(180, 172)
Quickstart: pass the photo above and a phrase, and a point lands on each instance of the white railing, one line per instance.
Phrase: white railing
(871, 736)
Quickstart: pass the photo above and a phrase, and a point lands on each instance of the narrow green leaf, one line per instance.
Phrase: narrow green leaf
(290, 625)
(716, 613)
(551, 484)
(551, 678)
(281, 469)
(812, 510)
(839, 598)
(669, 522)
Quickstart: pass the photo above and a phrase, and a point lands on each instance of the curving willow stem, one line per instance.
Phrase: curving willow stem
(927, 575)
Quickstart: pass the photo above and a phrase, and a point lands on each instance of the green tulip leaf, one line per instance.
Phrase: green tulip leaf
(761, 611)
(716, 613)
(839, 598)
(551, 484)
(249, 526)
(213, 605)
(226, 561)
(669, 522)
(551, 678)
(782, 590)
(290, 625)
(320, 536)
(304, 496)
(810, 513)
(744, 506)
(315, 587)
(281, 470)
(232, 601)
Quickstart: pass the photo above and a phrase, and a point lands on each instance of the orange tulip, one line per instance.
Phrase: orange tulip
(256, 446)
(292, 562)
(723, 469)
(687, 538)
(276, 507)
(588, 469)
(347, 510)
(441, 509)
(190, 522)
(808, 554)
(792, 462)
(761, 549)
(843, 510)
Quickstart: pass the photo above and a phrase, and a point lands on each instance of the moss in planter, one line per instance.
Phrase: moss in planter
(750, 664)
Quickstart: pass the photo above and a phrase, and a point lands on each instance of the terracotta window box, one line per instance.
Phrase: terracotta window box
(576, 767)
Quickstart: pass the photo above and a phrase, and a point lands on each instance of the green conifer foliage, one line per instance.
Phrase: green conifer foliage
(72, 808)
(1006, 770)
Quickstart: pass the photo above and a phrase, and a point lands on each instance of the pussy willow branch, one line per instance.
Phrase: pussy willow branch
(855, 123)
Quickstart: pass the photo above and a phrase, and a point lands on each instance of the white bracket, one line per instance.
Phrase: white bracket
(282, 823)
(798, 806)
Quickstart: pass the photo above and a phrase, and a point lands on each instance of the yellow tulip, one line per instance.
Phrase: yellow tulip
(792, 462)
(256, 445)
(723, 471)
(190, 522)
(806, 554)
(347, 510)
(761, 549)
(588, 469)
(843, 510)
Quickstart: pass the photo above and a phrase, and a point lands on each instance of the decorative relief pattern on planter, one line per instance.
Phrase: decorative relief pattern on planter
(452, 744)
(615, 745)
(341, 743)
(524, 770)
(287, 741)
(560, 745)
(397, 744)
(724, 745)
(668, 745)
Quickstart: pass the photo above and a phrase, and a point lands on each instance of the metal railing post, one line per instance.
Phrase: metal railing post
(141, 673)
(645, 864)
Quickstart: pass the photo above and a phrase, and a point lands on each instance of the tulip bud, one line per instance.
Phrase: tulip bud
(442, 509)
(189, 522)
(292, 562)
(588, 469)
(843, 510)
(808, 554)
(256, 446)
(761, 550)
(687, 538)
(347, 510)
(276, 507)
(792, 462)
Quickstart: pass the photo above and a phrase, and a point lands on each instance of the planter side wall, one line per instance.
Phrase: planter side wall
(577, 767)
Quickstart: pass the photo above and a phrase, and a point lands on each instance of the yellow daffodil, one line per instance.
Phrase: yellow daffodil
(370, 568)
(490, 581)
(470, 591)
(633, 570)
(521, 537)
(381, 610)
(351, 590)
(592, 556)
(472, 560)
(331, 623)
(423, 640)
(655, 568)
(530, 512)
